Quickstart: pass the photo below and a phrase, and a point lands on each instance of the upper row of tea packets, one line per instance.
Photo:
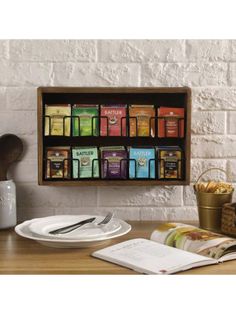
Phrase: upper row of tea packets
(113, 120)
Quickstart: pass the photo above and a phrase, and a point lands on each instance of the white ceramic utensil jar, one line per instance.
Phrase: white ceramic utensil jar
(7, 204)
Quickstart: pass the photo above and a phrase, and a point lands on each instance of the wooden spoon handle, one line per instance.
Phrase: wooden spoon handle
(3, 172)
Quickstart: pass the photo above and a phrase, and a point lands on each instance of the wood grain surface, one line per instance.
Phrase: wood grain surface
(22, 256)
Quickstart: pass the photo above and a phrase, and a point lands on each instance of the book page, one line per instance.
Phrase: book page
(152, 258)
(192, 239)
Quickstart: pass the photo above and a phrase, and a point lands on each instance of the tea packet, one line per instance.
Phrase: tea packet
(170, 122)
(113, 120)
(87, 122)
(142, 163)
(85, 162)
(57, 162)
(57, 120)
(113, 163)
(169, 162)
(140, 120)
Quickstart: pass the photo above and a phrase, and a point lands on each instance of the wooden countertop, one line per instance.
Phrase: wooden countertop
(22, 256)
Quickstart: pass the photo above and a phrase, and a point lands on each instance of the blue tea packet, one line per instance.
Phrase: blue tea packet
(143, 159)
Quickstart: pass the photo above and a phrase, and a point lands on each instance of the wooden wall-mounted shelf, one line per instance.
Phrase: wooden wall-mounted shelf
(165, 97)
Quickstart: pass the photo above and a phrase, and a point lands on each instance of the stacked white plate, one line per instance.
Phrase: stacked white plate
(85, 236)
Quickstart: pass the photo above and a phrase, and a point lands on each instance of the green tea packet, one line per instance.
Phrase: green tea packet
(85, 162)
(87, 122)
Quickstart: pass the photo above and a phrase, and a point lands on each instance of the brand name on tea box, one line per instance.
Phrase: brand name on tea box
(84, 153)
(142, 153)
(117, 112)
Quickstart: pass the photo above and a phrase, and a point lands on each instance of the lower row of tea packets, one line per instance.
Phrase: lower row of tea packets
(114, 162)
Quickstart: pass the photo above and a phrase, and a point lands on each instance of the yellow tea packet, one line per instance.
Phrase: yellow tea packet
(56, 123)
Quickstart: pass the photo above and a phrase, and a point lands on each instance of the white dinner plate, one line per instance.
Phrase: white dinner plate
(24, 231)
(43, 226)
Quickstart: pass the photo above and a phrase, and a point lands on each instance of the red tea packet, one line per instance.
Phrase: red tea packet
(113, 120)
(172, 124)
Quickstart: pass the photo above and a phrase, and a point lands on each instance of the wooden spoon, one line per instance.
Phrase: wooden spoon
(11, 147)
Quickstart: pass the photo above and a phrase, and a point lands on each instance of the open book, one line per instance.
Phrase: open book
(173, 247)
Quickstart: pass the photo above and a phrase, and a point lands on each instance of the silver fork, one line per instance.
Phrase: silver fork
(107, 219)
(71, 228)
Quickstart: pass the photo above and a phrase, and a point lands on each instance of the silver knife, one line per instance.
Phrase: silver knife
(72, 227)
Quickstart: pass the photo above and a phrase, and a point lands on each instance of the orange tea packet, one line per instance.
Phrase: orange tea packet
(140, 122)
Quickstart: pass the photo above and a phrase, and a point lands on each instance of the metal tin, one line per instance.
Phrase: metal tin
(210, 209)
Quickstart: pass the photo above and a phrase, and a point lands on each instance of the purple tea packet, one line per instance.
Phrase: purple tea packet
(113, 166)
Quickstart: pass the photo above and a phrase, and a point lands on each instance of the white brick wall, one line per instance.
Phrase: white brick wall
(207, 66)
(95, 74)
(208, 50)
(52, 50)
(191, 74)
(141, 51)
(3, 49)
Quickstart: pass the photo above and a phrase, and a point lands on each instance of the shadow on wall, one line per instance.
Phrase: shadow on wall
(139, 196)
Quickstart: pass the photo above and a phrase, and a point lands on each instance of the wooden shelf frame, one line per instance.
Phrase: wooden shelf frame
(164, 96)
